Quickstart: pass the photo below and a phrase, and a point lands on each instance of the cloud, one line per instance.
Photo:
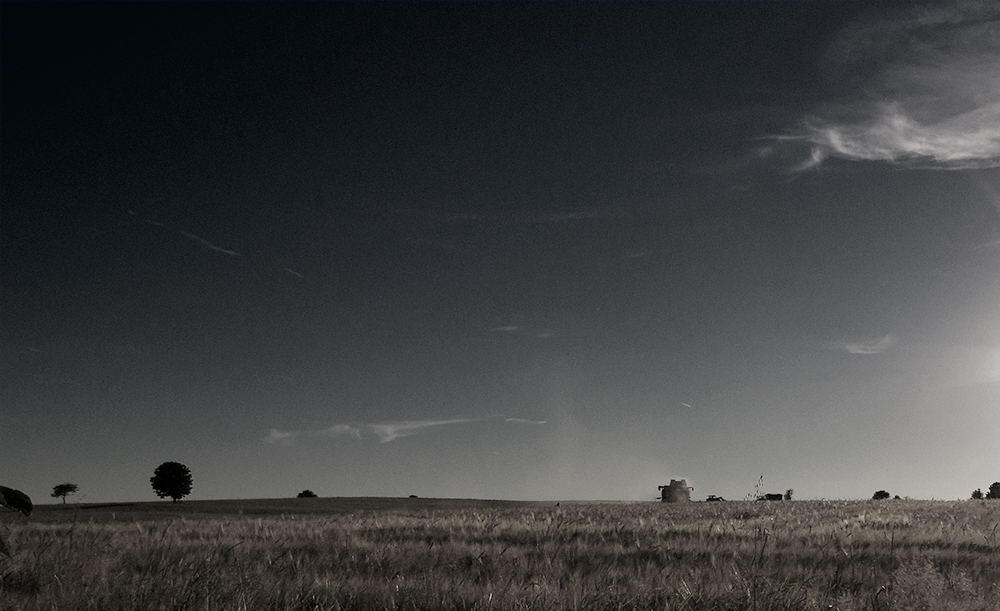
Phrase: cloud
(285, 438)
(289, 438)
(927, 76)
(384, 432)
(394, 430)
(875, 346)
(525, 421)
(340, 430)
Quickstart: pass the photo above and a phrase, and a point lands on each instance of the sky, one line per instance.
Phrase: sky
(539, 251)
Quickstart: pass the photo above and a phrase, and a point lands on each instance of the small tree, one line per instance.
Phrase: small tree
(788, 494)
(881, 494)
(306, 494)
(171, 479)
(994, 491)
(977, 494)
(63, 490)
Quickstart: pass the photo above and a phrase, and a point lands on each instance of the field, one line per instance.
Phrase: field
(467, 554)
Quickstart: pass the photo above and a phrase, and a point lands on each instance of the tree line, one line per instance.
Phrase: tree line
(992, 493)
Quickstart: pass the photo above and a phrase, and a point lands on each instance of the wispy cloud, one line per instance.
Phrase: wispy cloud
(875, 346)
(288, 438)
(394, 430)
(384, 432)
(340, 430)
(275, 436)
(930, 95)
(525, 421)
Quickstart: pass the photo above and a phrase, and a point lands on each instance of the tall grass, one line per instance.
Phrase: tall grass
(737, 555)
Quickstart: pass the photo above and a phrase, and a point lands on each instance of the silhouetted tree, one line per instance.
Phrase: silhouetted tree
(788, 494)
(994, 492)
(881, 494)
(63, 490)
(306, 494)
(977, 493)
(171, 479)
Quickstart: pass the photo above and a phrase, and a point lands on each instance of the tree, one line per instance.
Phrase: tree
(977, 493)
(881, 494)
(788, 494)
(63, 490)
(994, 492)
(171, 479)
(306, 494)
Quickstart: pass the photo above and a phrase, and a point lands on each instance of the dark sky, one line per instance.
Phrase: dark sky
(530, 251)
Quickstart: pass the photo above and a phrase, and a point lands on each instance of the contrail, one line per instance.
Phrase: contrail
(208, 244)
(189, 235)
(294, 273)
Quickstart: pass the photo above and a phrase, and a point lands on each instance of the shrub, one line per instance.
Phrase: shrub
(306, 494)
(977, 493)
(881, 494)
(994, 491)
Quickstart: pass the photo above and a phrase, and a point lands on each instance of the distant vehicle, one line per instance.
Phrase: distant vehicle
(676, 492)
(771, 497)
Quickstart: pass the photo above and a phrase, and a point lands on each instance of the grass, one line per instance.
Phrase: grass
(466, 554)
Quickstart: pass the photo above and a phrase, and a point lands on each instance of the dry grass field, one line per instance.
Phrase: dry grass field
(465, 554)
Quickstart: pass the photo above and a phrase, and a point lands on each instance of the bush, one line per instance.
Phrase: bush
(881, 494)
(977, 493)
(994, 492)
(306, 494)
